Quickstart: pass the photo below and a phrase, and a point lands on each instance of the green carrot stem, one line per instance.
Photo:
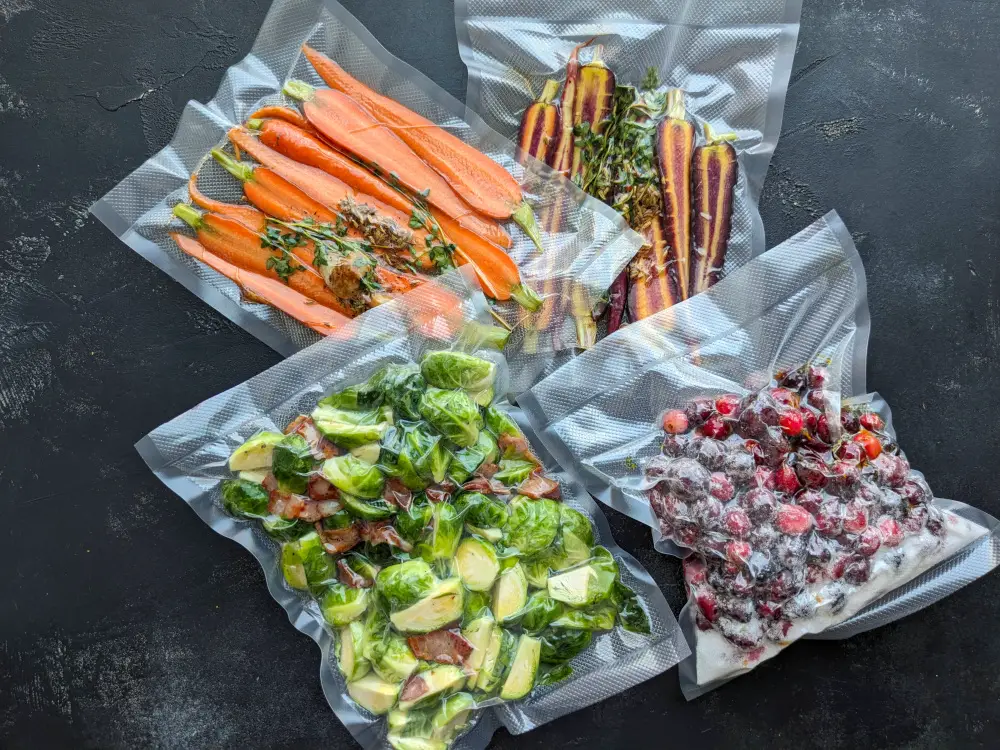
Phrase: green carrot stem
(525, 219)
(238, 169)
(188, 214)
(299, 90)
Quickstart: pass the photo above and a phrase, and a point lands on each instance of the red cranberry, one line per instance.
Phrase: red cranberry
(796, 380)
(747, 636)
(786, 480)
(869, 442)
(687, 479)
(763, 477)
(819, 400)
(728, 405)
(722, 488)
(845, 474)
(915, 520)
(935, 522)
(736, 523)
(855, 518)
(810, 500)
(793, 520)
(915, 492)
(768, 610)
(869, 542)
(785, 397)
(849, 421)
(686, 533)
(783, 585)
(857, 571)
(889, 529)
(738, 552)
(737, 608)
(673, 446)
(808, 420)
(871, 421)
(830, 518)
(675, 422)
(694, 571)
(753, 447)
(891, 470)
(702, 622)
(774, 446)
(818, 376)
(791, 422)
(811, 471)
(709, 512)
(837, 571)
(823, 429)
(708, 605)
(815, 573)
(739, 465)
(849, 451)
(716, 427)
(699, 410)
(708, 452)
(760, 504)
(737, 583)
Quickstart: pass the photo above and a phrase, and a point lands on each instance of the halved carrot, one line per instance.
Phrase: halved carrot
(345, 123)
(286, 114)
(248, 216)
(307, 311)
(481, 182)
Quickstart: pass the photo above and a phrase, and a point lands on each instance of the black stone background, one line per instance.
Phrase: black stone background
(126, 622)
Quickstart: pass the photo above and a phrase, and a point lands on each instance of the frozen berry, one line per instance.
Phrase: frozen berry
(791, 422)
(699, 410)
(708, 605)
(768, 610)
(796, 380)
(716, 427)
(786, 480)
(823, 429)
(737, 607)
(819, 400)
(739, 465)
(738, 552)
(809, 420)
(869, 442)
(829, 518)
(747, 636)
(818, 376)
(686, 533)
(694, 571)
(673, 446)
(736, 523)
(810, 500)
(815, 573)
(890, 530)
(850, 451)
(763, 477)
(657, 467)
(849, 421)
(891, 470)
(722, 488)
(812, 472)
(783, 585)
(819, 549)
(728, 405)
(855, 518)
(915, 520)
(845, 474)
(869, 541)
(708, 512)
(687, 479)
(708, 452)
(857, 571)
(755, 450)
(871, 421)
(785, 397)
(702, 622)
(774, 446)
(891, 501)
(915, 491)
(793, 520)
(760, 504)
(675, 422)
(935, 522)
(763, 537)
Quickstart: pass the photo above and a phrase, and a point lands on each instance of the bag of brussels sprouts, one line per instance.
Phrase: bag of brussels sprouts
(454, 579)
(737, 425)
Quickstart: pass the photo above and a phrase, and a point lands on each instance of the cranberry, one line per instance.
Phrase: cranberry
(811, 471)
(702, 622)
(756, 418)
(699, 410)
(763, 537)
(868, 492)
(763, 477)
(855, 518)
(768, 610)
(891, 470)
(716, 427)
(819, 400)
(808, 420)
(849, 421)
(845, 474)
(737, 523)
(915, 492)
(848, 451)
(823, 429)
(657, 467)
(709, 512)
(739, 465)
(818, 376)
(673, 446)
(675, 422)
(810, 500)
(935, 522)
(738, 584)
(686, 533)
(708, 452)
(783, 585)
(830, 518)
(869, 542)
(775, 446)
(760, 504)
(746, 636)
(815, 574)
(737, 608)
(738, 552)
(871, 421)
(915, 520)
(796, 380)
(786, 480)
(755, 450)
(891, 501)
(728, 405)
(722, 488)
(785, 397)
(694, 571)
(869, 442)
(857, 570)
(687, 479)
(791, 422)
(793, 520)
(889, 529)
(818, 549)
(708, 605)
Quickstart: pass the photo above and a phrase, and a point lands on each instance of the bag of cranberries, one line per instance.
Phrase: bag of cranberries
(738, 426)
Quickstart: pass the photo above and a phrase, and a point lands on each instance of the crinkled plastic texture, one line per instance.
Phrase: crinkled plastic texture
(190, 454)
(803, 300)
(732, 58)
(589, 249)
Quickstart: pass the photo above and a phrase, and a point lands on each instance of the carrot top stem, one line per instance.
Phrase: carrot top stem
(526, 297)
(255, 123)
(675, 104)
(525, 219)
(712, 137)
(238, 169)
(188, 214)
(299, 90)
(549, 91)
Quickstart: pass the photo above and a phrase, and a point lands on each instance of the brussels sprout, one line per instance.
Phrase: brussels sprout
(513, 471)
(540, 611)
(244, 499)
(499, 423)
(368, 510)
(373, 693)
(285, 529)
(361, 396)
(361, 565)
(369, 452)
(402, 386)
(467, 460)
(631, 615)
(574, 522)
(499, 653)
(442, 605)
(351, 651)
(257, 476)
(456, 370)
(453, 414)
(405, 583)
(537, 568)
(339, 520)
(412, 523)
(554, 673)
(291, 463)
(482, 511)
(341, 604)
(493, 536)
(477, 564)
(318, 566)
(446, 531)
(600, 617)
(523, 668)
(587, 582)
(510, 594)
(452, 716)
(354, 477)
(292, 567)
(422, 458)
(559, 645)
(436, 682)
(255, 453)
(477, 632)
(533, 524)
(350, 429)
(477, 605)
(392, 658)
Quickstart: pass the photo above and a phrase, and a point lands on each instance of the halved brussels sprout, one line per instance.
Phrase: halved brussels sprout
(453, 414)
(477, 604)
(452, 716)
(599, 617)
(354, 477)
(446, 531)
(482, 511)
(373, 693)
(317, 565)
(513, 471)
(442, 605)
(499, 423)
(392, 658)
(351, 651)
(436, 682)
(586, 583)
(465, 461)
(478, 632)
(255, 453)
(292, 567)
(574, 522)
(341, 604)
(244, 499)
(368, 510)
(455, 370)
(350, 429)
(292, 463)
(412, 523)
(523, 668)
(496, 662)
(477, 564)
(405, 583)
(532, 525)
(402, 386)
(510, 594)
(422, 458)
(540, 611)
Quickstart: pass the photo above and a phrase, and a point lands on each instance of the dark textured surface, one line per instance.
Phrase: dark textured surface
(126, 622)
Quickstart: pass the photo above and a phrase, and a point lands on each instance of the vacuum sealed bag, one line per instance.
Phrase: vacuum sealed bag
(310, 205)
(408, 521)
(738, 427)
(668, 111)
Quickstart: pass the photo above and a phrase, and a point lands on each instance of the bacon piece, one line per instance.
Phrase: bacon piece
(286, 505)
(486, 470)
(442, 646)
(321, 489)
(338, 541)
(321, 447)
(511, 445)
(498, 488)
(270, 483)
(351, 578)
(414, 688)
(382, 532)
(477, 484)
(441, 492)
(397, 493)
(538, 486)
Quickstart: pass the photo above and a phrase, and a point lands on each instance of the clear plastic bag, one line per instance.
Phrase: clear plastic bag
(731, 59)
(190, 455)
(590, 247)
(802, 302)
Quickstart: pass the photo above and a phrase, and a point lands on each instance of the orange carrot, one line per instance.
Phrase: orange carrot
(277, 294)
(286, 114)
(482, 183)
(250, 217)
(345, 123)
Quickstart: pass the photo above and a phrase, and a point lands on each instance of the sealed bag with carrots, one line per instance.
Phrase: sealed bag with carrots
(327, 178)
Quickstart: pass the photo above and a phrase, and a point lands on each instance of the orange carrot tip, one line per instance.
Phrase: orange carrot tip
(526, 297)
(238, 169)
(525, 219)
